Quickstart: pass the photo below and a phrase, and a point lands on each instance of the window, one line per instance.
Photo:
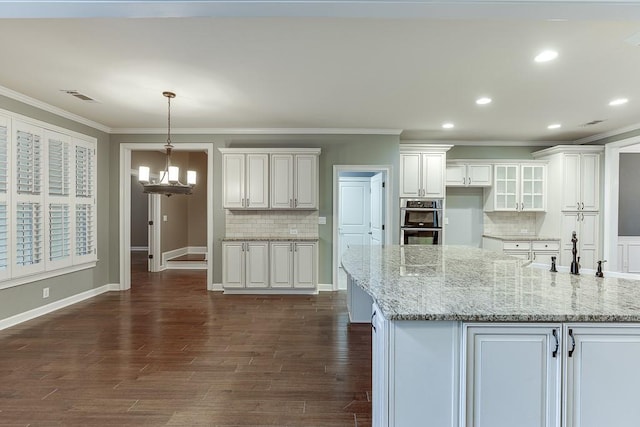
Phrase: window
(47, 202)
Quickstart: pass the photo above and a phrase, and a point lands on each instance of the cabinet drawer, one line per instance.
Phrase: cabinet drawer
(546, 246)
(516, 246)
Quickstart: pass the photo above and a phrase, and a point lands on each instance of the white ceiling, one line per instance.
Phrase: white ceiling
(333, 69)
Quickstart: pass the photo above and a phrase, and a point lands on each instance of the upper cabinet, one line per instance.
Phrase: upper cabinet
(422, 170)
(518, 187)
(468, 174)
(246, 180)
(270, 178)
(581, 182)
(294, 181)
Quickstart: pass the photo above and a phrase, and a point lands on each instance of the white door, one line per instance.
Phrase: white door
(304, 266)
(433, 168)
(282, 181)
(410, 175)
(257, 194)
(456, 175)
(479, 175)
(589, 227)
(257, 264)
(601, 390)
(532, 188)
(233, 264)
(570, 223)
(233, 178)
(306, 181)
(354, 213)
(571, 182)
(281, 264)
(513, 376)
(377, 209)
(506, 193)
(590, 181)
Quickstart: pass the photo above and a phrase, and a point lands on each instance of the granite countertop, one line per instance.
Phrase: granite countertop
(519, 237)
(270, 239)
(470, 284)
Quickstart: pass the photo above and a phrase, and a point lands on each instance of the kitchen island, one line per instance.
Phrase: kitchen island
(470, 337)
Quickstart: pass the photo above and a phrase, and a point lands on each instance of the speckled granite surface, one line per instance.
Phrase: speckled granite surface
(470, 284)
(270, 239)
(519, 237)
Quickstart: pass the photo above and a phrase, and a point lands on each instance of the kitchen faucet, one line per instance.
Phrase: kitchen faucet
(575, 264)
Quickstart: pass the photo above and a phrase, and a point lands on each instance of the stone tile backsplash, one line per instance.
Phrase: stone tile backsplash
(510, 223)
(271, 224)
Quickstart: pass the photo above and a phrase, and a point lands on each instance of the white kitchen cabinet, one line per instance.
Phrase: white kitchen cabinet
(245, 181)
(538, 251)
(422, 170)
(513, 375)
(468, 175)
(542, 251)
(600, 389)
(294, 265)
(581, 182)
(294, 181)
(518, 188)
(586, 225)
(245, 265)
(380, 368)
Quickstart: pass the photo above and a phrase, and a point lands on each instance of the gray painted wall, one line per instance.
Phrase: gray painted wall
(19, 299)
(629, 195)
(465, 216)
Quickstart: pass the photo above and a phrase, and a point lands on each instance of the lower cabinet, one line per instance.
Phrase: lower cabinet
(269, 265)
(586, 226)
(245, 265)
(293, 265)
(570, 375)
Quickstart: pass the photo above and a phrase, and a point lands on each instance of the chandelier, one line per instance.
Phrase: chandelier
(169, 182)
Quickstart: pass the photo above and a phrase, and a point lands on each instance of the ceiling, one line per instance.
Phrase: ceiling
(332, 70)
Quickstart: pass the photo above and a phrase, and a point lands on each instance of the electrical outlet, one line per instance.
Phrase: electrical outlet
(293, 231)
(164, 218)
(45, 293)
(446, 220)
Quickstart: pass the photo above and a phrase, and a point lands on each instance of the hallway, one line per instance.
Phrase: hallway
(168, 352)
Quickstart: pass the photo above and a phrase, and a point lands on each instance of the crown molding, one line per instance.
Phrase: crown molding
(51, 109)
(484, 143)
(607, 134)
(260, 131)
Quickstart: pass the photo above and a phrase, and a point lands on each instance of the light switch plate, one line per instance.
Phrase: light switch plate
(322, 220)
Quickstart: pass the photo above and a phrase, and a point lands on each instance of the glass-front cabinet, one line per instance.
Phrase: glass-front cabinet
(519, 187)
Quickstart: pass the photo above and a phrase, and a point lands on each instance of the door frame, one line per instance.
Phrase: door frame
(337, 169)
(125, 204)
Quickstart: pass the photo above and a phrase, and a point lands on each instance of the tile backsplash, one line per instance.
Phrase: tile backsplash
(510, 223)
(271, 224)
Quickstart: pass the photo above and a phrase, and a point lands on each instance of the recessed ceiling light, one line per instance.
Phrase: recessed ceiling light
(546, 55)
(618, 101)
(447, 125)
(483, 101)
(554, 126)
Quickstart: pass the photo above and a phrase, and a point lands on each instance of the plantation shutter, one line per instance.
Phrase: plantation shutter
(59, 200)
(5, 132)
(85, 211)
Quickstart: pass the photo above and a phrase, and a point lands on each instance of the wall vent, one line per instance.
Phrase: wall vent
(593, 122)
(78, 95)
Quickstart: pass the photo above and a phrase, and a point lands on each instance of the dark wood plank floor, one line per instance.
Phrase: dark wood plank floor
(170, 353)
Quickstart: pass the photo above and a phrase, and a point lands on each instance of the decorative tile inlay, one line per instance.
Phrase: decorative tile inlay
(471, 284)
(248, 225)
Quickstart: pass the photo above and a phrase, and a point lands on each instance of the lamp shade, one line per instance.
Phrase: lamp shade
(191, 177)
(143, 174)
(174, 174)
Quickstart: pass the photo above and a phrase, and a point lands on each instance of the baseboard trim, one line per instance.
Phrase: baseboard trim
(56, 305)
(270, 291)
(185, 265)
(139, 249)
(325, 287)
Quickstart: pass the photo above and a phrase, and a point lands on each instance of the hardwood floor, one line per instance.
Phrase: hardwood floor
(170, 353)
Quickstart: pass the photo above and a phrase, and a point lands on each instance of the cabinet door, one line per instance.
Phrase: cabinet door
(588, 239)
(601, 390)
(281, 181)
(532, 191)
(304, 265)
(571, 177)
(512, 376)
(257, 265)
(380, 369)
(257, 191)
(570, 223)
(590, 181)
(306, 182)
(506, 188)
(233, 181)
(281, 265)
(433, 165)
(233, 264)
(456, 175)
(410, 175)
(479, 175)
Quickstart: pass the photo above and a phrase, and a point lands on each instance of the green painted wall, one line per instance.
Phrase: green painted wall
(336, 150)
(491, 152)
(19, 299)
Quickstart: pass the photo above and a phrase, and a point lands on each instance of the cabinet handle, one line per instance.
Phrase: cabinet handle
(243, 247)
(247, 202)
(522, 206)
(469, 180)
(295, 247)
(578, 205)
(243, 202)
(372, 325)
(555, 352)
(463, 180)
(534, 256)
(295, 202)
(290, 247)
(582, 205)
(578, 216)
(290, 203)
(582, 217)
(516, 205)
(573, 343)
(248, 247)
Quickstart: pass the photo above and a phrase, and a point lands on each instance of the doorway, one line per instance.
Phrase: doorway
(361, 211)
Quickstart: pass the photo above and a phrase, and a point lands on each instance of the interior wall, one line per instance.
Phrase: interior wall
(139, 215)
(197, 202)
(465, 216)
(629, 194)
(22, 298)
